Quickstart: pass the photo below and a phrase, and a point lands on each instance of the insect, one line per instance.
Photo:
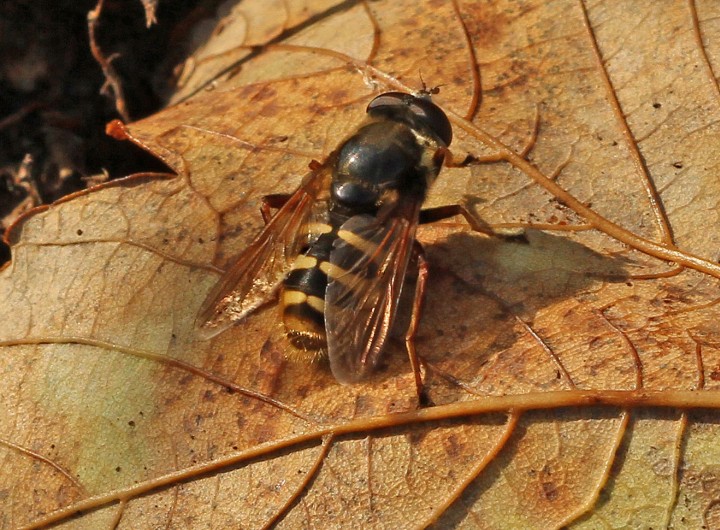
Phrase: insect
(338, 248)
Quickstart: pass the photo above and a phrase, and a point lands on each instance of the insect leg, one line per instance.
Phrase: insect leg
(418, 303)
(273, 202)
(432, 215)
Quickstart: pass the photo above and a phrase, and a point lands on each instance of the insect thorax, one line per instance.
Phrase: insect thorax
(382, 156)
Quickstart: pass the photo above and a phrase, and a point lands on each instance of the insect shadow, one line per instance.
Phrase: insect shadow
(479, 287)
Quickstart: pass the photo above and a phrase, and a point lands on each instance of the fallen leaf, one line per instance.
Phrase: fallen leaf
(574, 377)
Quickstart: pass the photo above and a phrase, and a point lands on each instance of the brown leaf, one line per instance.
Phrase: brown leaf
(566, 371)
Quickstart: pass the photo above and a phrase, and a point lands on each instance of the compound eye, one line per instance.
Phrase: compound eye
(421, 108)
(390, 99)
(434, 117)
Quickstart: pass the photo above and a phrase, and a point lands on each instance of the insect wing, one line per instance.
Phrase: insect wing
(368, 265)
(258, 271)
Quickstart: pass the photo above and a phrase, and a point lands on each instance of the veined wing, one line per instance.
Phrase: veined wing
(366, 275)
(258, 271)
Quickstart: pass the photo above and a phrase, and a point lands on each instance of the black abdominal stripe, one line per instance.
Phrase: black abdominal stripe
(303, 296)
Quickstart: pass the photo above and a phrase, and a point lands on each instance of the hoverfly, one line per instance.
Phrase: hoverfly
(339, 247)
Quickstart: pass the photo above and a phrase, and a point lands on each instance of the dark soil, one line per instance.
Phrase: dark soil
(53, 108)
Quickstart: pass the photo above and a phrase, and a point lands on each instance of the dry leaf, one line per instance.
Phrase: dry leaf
(567, 372)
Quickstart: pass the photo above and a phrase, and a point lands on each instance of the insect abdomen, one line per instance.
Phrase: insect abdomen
(303, 298)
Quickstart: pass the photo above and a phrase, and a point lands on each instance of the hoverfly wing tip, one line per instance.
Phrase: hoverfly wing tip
(208, 328)
(214, 321)
(345, 370)
(206, 332)
(345, 375)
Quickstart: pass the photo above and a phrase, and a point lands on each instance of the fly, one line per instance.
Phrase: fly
(339, 247)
